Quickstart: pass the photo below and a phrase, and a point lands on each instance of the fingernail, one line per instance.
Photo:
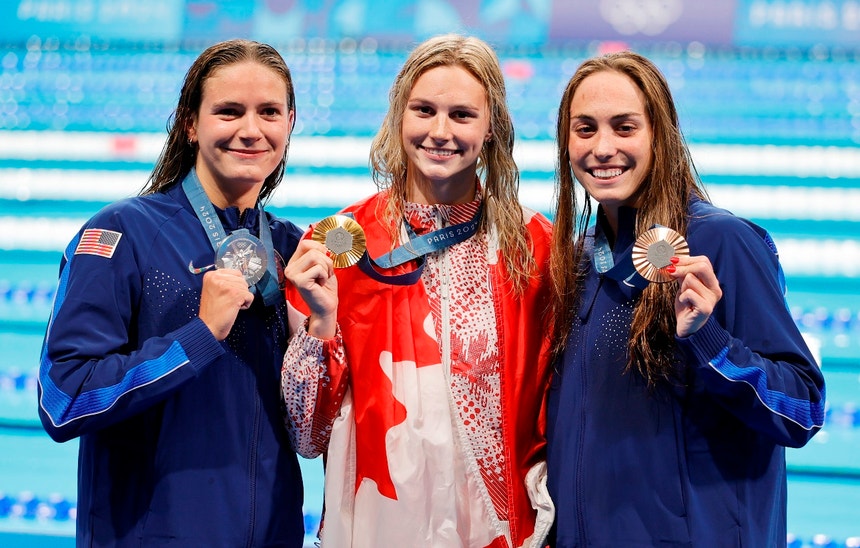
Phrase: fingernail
(671, 268)
(674, 260)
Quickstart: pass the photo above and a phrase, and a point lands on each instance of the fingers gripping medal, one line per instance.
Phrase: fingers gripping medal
(343, 236)
(243, 252)
(653, 252)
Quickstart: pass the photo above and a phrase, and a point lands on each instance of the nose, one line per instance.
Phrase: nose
(439, 129)
(250, 128)
(604, 145)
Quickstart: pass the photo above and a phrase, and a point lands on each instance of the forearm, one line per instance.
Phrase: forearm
(314, 380)
(79, 393)
(780, 394)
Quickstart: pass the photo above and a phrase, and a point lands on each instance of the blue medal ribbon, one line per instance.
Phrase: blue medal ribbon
(205, 211)
(604, 263)
(416, 249)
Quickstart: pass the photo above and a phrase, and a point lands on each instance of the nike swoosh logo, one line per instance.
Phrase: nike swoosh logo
(198, 270)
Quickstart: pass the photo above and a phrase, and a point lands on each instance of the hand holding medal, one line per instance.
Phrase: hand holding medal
(653, 251)
(343, 237)
(337, 241)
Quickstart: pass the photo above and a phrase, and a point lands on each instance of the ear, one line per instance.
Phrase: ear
(292, 121)
(191, 130)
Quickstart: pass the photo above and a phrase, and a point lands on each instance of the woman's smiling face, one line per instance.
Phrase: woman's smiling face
(610, 142)
(242, 128)
(445, 126)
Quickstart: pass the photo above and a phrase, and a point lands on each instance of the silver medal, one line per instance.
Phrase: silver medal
(245, 253)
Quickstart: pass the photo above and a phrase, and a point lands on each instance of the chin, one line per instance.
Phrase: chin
(251, 176)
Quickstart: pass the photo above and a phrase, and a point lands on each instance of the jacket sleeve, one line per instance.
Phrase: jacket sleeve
(750, 355)
(93, 371)
(314, 381)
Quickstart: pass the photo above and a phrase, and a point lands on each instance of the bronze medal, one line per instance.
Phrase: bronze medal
(343, 237)
(654, 249)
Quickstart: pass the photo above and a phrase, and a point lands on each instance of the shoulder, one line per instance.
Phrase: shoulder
(537, 219)
(283, 224)
(708, 222)
(137, 213)
(371, 214)
(717, 232)
(124, 231)
(135, 224)
(538, 226)
(368, 205)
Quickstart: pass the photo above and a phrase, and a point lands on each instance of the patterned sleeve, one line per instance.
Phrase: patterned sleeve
(314, 380)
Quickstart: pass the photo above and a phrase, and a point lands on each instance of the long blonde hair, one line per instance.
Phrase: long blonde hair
(664, 196)
(388, 159)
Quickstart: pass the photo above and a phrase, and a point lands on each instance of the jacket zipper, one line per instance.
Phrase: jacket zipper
(583, 394)
(445, 333)
(252, 499)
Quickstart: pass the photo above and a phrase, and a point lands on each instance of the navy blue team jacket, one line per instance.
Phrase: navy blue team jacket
(701, 463)
(182, 440)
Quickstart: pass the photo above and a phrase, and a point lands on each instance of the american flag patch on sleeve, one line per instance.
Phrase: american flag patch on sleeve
(96, 241)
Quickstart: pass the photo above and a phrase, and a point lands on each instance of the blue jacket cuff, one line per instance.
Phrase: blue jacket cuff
(200, 345)
(706, 343)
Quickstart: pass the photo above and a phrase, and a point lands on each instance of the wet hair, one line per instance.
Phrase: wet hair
(663, 197)
(179, 155)
(496, 166)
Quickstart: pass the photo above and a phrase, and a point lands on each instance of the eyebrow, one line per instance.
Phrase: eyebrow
(223, 104)
(463, 106)
(616, 118)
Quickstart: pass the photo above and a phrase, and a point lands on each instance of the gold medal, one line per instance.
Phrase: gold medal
(654, 249)
(343, 236)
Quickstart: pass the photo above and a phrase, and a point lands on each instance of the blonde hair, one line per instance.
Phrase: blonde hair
(502, 209)
(664, 195)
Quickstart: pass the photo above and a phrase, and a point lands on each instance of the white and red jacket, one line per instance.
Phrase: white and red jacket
(429, 404)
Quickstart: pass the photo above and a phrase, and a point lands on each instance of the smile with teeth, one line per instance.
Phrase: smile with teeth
(440, 151)
(607, 173)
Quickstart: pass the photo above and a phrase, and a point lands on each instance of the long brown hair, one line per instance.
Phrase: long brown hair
(663, 195)
(179, 155)
(501, 176)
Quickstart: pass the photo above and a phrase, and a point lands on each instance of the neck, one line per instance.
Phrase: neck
(223, 198)
(242, 195)
(450, 192)
(611, 217)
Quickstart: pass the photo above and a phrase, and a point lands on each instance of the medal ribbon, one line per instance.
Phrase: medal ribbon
(416, 248)
(604, 263)
(205, 211)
